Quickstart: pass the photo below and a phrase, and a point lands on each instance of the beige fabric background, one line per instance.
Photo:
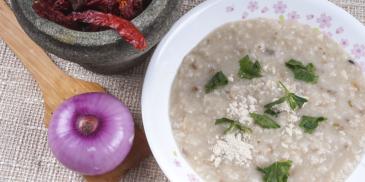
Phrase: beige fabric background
(24, 153)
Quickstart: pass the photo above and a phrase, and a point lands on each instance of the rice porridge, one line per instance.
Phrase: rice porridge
(263, 100)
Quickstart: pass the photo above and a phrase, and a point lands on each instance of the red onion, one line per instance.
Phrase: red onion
(91, 133)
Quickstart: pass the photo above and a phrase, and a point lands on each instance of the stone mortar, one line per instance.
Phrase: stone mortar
(102, 52)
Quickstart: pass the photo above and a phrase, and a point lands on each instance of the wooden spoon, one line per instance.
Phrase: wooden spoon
(56, 86)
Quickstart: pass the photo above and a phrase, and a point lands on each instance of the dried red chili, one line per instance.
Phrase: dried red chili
(124, 28)
(46, 10)
(129, 9)
(62, 5)
(77, 4)
(107, 6)
(95, 15)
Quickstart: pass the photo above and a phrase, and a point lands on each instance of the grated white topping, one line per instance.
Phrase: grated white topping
(241, 107)
(234, 148)
(291, 118)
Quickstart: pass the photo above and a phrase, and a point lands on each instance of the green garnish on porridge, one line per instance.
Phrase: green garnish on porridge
(284, 114)
(249, 69)
(218, 80)
(277, 172)
(264, 121)
(232, 125)
(301, 72)
(309, 124)
(294, 101)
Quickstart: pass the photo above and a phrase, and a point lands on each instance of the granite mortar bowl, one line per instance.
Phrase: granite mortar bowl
(102, 52)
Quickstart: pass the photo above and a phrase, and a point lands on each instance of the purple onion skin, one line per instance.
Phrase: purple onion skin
(100, 151)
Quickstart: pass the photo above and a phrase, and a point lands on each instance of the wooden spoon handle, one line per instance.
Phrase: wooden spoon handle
(32, 56)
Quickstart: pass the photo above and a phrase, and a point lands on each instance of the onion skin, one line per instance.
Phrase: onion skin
(101, 151)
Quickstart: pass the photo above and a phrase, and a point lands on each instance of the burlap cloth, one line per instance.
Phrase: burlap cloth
(24, 153)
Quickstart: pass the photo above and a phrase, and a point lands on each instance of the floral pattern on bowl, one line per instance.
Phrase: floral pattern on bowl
(321, 20)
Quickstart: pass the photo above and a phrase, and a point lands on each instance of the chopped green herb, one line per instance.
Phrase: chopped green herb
(264, 121)
(301, 72)
(276, 172)
(218, 80)
(269, 107)
(279, 101)
(232, 125)
(249, 69)
(272, 112)
(309, 124)
(294, 101)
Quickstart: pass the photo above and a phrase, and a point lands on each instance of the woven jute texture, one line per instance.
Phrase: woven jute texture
(24, 152)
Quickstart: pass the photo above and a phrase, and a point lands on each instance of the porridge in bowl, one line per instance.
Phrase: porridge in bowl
(262, 100)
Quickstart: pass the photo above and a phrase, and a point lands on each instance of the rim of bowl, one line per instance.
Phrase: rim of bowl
(161, 46)
(67, 35)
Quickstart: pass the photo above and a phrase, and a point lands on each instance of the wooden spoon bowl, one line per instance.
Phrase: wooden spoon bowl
(56, 86)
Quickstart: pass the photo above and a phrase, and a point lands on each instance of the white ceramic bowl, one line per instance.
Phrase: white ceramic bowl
(194, 26)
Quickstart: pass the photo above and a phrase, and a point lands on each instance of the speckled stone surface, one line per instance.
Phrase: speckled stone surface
(102, 52)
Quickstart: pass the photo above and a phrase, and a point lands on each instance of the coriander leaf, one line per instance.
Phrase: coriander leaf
(218, 80)
(286, 90)
(301, 72)
(264, 121)
(223, 121)
(276, 172)
(269, 107)
(309, 124)
(248, 69)
(229, 129)
(272, 112)
(232, 125)
(294, 101)
(243, 128)
(279, 101)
